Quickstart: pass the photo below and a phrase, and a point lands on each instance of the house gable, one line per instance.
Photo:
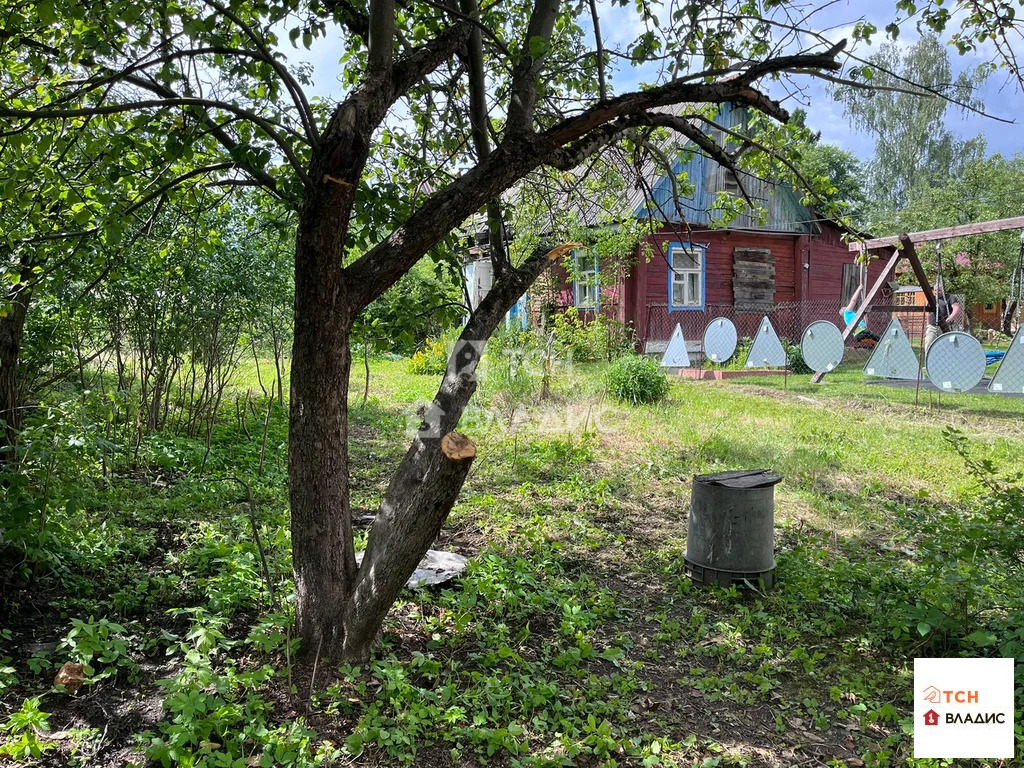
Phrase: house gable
(696, 173)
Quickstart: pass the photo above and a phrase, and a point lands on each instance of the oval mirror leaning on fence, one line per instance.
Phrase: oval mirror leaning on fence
(956, 362)
(719, 340)
(822, 346)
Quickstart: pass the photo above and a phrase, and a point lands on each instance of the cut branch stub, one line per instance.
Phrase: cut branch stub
(457, 447)
(559, 251)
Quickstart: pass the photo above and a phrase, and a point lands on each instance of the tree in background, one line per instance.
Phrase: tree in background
(425, 303)
(986, 188)
(903, 102)
(839, 171)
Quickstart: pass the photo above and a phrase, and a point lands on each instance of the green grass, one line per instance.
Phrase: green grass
(575, 638)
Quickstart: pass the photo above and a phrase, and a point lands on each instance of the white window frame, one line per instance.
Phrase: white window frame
(586, 280)
(679, 276)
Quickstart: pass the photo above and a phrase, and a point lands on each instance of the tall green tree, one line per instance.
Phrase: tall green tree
(902, 100)
(441, 108)
(839, 172)
(986, 188)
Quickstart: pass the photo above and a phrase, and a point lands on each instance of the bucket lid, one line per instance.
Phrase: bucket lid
(744, 478)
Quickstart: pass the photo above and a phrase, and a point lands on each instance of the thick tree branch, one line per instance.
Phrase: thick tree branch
(571, 155)
(563, 146)
(352, 16)
(479, 128)
(602, 89)
(381, 42)
(524, 76)
(473, 19)
(711, 148)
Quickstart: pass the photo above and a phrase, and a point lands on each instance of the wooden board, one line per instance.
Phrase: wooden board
(945, 233)
(753, 281)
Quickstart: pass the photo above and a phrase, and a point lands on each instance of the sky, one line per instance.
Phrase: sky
(620, 25)
(835, 21)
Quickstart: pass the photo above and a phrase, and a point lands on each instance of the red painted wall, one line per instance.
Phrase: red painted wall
(647, 282)
(652, 278)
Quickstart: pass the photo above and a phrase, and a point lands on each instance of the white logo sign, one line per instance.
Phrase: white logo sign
(963, 708)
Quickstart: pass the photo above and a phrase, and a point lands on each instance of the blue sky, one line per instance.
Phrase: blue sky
(1000, 96)
(835, 20)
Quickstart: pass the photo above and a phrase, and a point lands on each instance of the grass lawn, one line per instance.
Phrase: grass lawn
(574, 640)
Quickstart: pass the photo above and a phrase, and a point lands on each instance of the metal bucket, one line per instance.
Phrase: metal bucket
(730, 536)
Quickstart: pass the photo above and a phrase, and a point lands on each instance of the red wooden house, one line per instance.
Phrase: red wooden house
(782, 261)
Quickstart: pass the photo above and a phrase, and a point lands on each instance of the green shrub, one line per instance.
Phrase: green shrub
(431, 360)
(960, 592)
(634, 379)
(596, 339)
(795, 355)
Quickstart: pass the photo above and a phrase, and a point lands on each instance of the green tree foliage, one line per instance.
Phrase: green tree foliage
(114, 115)
(985, 188)
(837, 171)
(903, 101)
(425, 303)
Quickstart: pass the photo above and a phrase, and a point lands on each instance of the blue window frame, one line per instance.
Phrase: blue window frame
(586, 284)
(686, 269)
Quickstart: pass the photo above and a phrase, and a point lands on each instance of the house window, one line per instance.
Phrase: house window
(730, 183)
(685, 276)
(586, 286)
(990, 307)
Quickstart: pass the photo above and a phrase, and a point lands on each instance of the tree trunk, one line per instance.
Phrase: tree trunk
(1008, 313)
(417, 504)
(12, 330)
(323, 556)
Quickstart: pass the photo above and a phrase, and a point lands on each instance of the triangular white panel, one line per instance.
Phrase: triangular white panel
(766, 351)
(1010, 374)
(675, 354)
(893, 356)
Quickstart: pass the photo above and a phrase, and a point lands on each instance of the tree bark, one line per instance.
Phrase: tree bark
(12, 331)
(323, 556)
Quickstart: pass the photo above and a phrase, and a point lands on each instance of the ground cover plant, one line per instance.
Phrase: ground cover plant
(574, 638)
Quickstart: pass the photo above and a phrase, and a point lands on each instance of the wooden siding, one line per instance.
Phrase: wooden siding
(824, 255)
(554, 290)
(719, 246)
(984, 317)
